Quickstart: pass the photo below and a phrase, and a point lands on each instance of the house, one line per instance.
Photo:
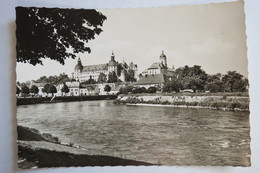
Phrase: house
(154, 80)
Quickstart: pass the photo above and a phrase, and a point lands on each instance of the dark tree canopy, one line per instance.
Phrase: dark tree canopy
(112, 77)
(62, 78)
(45, 89)
(52, 89)
(51, 32)
(102, 78)
(25, 89)
(65, 88)
(34, 89)
(107, 88)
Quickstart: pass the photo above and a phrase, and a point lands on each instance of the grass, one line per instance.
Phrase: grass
(225, 102)
(41, 157)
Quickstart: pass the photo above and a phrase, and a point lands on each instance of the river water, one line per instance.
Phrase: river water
(159, 135)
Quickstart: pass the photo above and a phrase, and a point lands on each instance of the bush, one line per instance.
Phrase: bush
(151, 90)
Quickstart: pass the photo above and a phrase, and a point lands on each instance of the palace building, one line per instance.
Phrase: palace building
(83, 73)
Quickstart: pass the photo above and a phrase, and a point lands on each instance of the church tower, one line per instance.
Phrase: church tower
(112, 64)
(78, 69)
(163, 59)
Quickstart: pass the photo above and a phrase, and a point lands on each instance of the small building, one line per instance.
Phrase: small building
(154, 80)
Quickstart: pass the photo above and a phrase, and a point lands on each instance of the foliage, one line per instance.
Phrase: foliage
(172, 86)
(102, 78)
(45, 89)
(112, 77)
(25, 89)
(130, 76)
(52, 32)
(107, 88)
(34, 89)
(52, 89)
(151, 89)
(65, 88)
(235, 81)
(62, 78)
(18, 91)
(126, 90)
(89, 81)
(139, 90)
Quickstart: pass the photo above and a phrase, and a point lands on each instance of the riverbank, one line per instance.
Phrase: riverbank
(37, 150)
(220, 102)
(37, 100)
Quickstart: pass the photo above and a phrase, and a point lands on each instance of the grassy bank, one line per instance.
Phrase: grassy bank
(218, 101)
(44, 150)
(37, 100)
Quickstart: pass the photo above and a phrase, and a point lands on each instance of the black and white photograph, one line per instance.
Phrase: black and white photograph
(161, 86)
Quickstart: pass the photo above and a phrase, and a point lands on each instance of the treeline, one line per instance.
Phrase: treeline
(196, 79)
(199, 81)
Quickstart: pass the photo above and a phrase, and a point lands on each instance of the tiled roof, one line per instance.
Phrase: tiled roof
(72, 84)
(94, 67)
(156, 65)
(151, 79)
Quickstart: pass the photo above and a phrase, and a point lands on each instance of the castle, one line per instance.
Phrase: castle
(83, 73)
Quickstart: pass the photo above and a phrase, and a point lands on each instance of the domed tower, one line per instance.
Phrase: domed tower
(163, 59)
(78, 69)
(112, 64)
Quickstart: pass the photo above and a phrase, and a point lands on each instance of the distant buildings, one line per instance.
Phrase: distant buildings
(157, 74)
(83, 73)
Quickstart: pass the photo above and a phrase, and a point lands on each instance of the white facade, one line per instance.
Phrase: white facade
(83, 73)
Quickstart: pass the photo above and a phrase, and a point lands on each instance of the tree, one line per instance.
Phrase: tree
(192, 77)
(34, 89)
(107, 88)
(65, 88)
(52, 90)
(90, 81)
(102, 78)
(18, 91)
(54, 79)
(130, 76)
(53, 32)
(151, 89)
(25, 90)
(235, 81)
(112, 77)
(172, 86)
(45, 89)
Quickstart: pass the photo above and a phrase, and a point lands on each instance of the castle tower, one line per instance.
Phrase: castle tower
(112, 64)
(163, 59)
(77, 70)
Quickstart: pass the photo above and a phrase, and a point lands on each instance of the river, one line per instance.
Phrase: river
(160, 135)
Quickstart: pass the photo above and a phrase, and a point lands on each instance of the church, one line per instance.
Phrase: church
(83, 73)
(157, 74)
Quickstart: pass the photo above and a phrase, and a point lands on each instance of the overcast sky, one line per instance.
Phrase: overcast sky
(212, 36)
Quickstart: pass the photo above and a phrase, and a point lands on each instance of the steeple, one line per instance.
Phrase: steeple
(163, 59)
(112, 62)
(79, 66)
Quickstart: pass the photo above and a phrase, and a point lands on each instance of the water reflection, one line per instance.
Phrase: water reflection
(169, 136)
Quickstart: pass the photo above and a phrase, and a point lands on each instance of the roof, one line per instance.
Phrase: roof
(38, 84)
(94, 67)
(151, 79)
(156, 65)
(72, 84)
